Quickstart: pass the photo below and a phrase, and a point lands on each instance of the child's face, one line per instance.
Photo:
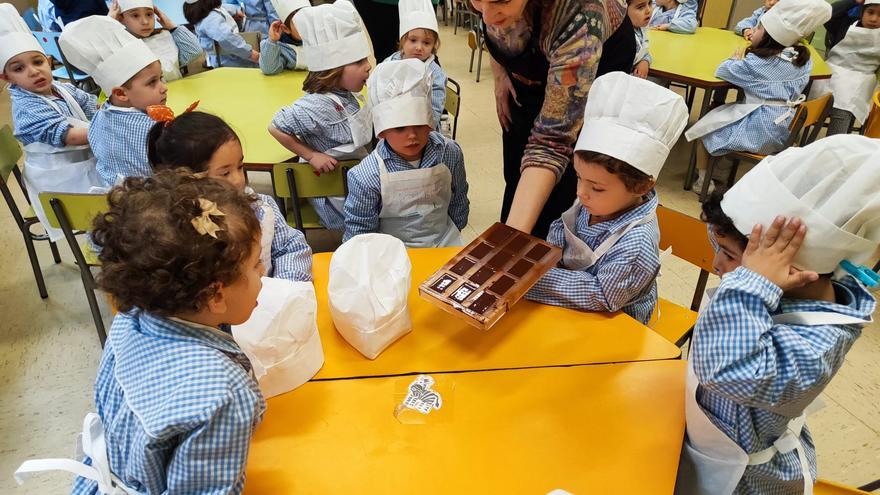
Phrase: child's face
(240, 297)
(667, 4)
(871, 17)
(145, 88)
(500, 13)
(355, 75)
(758, 35)
(227, 163)
(420, 43)
(29, 71)
(639, 12)
(728, 253)
(408, 142)
(140, 21)
(601, 192)
(768, 4)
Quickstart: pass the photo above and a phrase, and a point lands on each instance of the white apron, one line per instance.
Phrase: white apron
(267, 228)
(415, 206)
(91, 443)
(163, 46)
(577, 254)
(853, 62)
(67, 169)
(711, 462)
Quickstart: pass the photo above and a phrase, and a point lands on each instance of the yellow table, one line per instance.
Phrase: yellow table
(247, 100)
(530, 335)
(589, 429)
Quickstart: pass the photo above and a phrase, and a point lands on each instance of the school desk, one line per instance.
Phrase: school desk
(247, 100)
(614, 428)
(530, 335)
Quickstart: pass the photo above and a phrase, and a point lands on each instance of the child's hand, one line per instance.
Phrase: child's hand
(747, 33)
(238, 16)
(115, 12)
(739, 53)
(661, 27)
(275, 31)
(163, 19)
(770, 255)
(641, 69)
(255, 56)
(322, 163)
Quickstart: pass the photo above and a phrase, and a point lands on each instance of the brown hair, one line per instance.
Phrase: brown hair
(429, 31)
(323, 81)
(768, 47)
(720, 223)
(633, 178)
(153, 258)
(189, 140)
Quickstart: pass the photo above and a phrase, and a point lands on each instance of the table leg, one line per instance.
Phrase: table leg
(692, 163)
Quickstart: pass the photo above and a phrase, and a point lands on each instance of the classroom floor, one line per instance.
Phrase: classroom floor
(49, 350)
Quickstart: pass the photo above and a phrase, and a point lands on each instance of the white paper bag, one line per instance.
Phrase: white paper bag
(368, 292)
(281, 337)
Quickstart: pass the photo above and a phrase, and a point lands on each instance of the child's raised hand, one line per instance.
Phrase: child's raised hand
(275, 31)
(322, 163)
(115, 12)
(641, 69)
(747, 34)
(770, 253)
(163, 19)
(661, 27)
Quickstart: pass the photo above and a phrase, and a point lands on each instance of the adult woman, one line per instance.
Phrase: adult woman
(546, 54)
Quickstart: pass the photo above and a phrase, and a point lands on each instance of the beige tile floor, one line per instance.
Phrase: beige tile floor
(49, 351)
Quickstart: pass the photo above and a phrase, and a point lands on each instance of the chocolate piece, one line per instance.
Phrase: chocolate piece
(502, 285)
(502, 233)
(463, 266)
(463, 292)
(481, 251)
(520, 268)
(499, 260)
(482, 275)
(517, 244)
(482, 303)
(537, 252)
(443, 283)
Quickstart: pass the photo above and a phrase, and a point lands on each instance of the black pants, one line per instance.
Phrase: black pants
(381, 21)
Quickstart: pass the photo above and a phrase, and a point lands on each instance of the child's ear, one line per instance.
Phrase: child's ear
(120, 94)
(645, 188)
(217, 302)
(3, 76)
(381, 135)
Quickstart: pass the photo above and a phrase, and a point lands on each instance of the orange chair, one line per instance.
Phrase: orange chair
(871, 128)
(825, 487)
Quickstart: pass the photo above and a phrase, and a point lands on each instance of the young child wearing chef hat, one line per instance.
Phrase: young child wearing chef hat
(214, 23)
(131, 77)
(610, 236)
(331, 122)
(51, 119)
(773, 74)
(854, 62)
(779, 326)
(174, 46)
(420, 39)
(280, 50)
(675, 16)
(413, 186)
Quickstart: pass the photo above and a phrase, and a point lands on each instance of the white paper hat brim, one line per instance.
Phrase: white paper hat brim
(337, 53)
(295, 370)
(778, 30)
(418, 20)
(124, 64)
(287, 7)
(608, 137)
(402, 111)
(13, 44)
(126, 5)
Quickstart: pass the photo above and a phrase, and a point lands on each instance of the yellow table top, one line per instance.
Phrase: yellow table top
(530, 335)
(692, 59)
(588, 429)
(247, 100)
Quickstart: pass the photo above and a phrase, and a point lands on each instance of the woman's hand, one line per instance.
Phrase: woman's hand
(275, 31)
(163, 19)
(641, 69)
(503, 91)
(771, 253)
(322, 163)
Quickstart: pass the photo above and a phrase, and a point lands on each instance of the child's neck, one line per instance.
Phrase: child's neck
(820, 290)
(200, 317)
(594, 219)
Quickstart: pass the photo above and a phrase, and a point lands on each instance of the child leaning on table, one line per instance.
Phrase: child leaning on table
(610, 236)
(213, 23)
(746, 26)
(639, 12)
(280, 50)
(778, 328)
(675, 16)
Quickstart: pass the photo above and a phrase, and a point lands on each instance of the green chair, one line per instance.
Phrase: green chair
(10, 152)
(297, 182)
(72, 212)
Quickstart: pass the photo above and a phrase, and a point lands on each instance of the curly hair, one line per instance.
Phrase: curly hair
(190, 140)
(719, 221)
(152, 257)
(633, 178)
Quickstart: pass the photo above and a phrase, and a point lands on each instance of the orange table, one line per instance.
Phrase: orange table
(530, 335)
(588, 429)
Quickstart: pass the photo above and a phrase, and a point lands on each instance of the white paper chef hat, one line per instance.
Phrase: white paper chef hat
(333, 35)
(832, 185)
(633, 120)
(416, 14)
(125, 5)
(870, 2)
(399, 92)
(103, 49)
(15, 36)
(790, 20)
(281, 337)
(287, 7)
(368, 292)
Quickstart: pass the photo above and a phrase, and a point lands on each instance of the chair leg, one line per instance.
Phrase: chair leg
(89, 287)
(55, 254)
(732, 177)
(479, 56)
(35, 264)
(707, 179)
(471, 66)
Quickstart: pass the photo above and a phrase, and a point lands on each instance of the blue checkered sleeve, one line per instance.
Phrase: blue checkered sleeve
(36, 121)
(317, 121)
(236, 51)
(749, 22)
(364, 201)
(276, 57)
(188, 48)
(291, 254)
(682, 19)
(438, 92)
(118, 138)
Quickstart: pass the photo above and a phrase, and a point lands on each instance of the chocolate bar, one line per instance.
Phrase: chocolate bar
(484, 280)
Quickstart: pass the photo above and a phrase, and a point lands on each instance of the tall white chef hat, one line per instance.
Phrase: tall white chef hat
(790, 20)
(125, 5)
(633, 120)
(333, 35)
(399, 92)
(832, 185)
(103, 49)
(415, 14)
(287, 7)
(15, 36)
(870, 2)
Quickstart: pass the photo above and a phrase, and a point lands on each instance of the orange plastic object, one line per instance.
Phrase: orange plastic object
(530, 335)
(609, 429)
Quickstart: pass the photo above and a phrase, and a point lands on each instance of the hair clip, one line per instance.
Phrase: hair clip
(862, 273)
(163, 113)
(203, 223)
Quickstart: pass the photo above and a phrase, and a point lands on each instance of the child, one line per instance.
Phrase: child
(413, 186)
(174, 46)
(258, 15)
(779, 326)
(207, 145)
(213, 23)
(610, 236)
(420, 38)
(854, 62)
(746, 26)
(330, 122)
(51, 119)
(676, 16)
(131, 77)
(279, 51)
(639, 12)
(773, 74)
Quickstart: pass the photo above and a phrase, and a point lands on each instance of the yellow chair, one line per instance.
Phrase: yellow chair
(298, 182)
(252, 38)
(476, 43)
(73, 212)
(871, 127)
(453, 103)
(687, 238)
(825, 487)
